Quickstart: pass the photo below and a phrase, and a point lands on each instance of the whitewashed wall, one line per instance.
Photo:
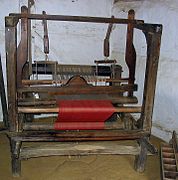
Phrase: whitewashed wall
(165, 12)
(72, 42)
(6, 6)
(82, 43)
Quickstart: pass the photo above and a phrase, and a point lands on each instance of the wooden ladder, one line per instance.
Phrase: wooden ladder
(169, 161)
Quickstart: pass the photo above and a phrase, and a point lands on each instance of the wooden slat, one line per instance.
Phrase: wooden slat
(79, 149)
(50, 126)
(153, 50)
(82, 135)
(113, 99)
(107, 61)
(56, 110)
(48, 81)
(79, 90)
(117, 80)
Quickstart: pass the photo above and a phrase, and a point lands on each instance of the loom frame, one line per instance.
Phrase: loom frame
(17, 135)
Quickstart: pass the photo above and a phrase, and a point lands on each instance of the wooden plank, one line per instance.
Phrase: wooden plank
(67, 90)
(114, 99)
(47, 110)
(11, 57)
(153, 50)
(82, 135)
(48, 81)
(50, 126)
(107, 61)
(73, 149)
(117, 80)
(77, 18)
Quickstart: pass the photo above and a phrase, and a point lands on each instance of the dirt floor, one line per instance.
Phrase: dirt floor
(93, 167)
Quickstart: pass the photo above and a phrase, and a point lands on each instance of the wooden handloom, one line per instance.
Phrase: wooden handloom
(103, 81)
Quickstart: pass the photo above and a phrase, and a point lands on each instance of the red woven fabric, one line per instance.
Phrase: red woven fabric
(88, 114)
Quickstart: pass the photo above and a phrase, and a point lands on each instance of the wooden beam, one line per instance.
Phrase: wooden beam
(50, 126)
(47, 101)
(11, 63)
(76, 18)
(48, 81)
(81, 148)
(83, 135)
(153, 50)
(125, 109)
(22, 50)
(66, 90)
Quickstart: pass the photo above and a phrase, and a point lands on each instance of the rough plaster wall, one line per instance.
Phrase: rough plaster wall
(166, 99)
(82, 43)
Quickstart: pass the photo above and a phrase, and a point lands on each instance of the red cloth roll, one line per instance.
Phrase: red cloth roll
(83, 114)
(78, 125)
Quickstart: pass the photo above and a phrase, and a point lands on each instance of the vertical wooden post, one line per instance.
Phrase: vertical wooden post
(30, 4)
(15, 160)
(130, 55)
(153, 50)
(11, 63)
(140, 160)
(22, 51)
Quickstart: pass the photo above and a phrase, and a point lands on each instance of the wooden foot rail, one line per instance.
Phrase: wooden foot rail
(81, 148)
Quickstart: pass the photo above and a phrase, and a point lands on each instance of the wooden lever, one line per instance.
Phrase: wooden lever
(106, 40)
(45, 39)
